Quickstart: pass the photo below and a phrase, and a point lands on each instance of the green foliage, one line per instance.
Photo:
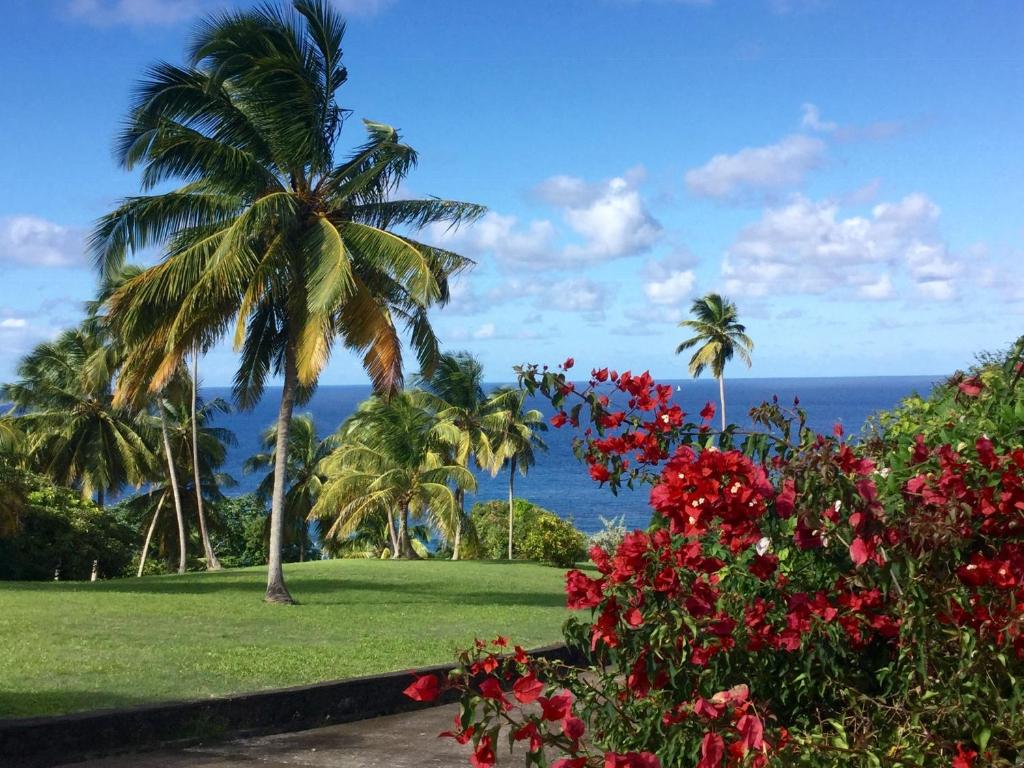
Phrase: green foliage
(553, 540)
(58, 530)
(241, 540)
(537, 534)
(951, 415)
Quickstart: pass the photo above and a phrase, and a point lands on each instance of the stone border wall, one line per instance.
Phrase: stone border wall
(40, 742)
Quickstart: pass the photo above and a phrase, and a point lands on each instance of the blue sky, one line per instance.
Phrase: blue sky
(848, 172)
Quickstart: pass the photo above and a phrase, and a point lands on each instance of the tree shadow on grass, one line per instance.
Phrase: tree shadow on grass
(322, 591)
(16, 705)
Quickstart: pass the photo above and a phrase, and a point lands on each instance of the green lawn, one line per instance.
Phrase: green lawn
(77, 646)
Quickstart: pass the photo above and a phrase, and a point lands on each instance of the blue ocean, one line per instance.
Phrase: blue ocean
(558, 482)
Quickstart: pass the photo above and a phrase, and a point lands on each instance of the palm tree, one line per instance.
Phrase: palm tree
(455, 391)
(392, 460)
(268, 233)
(75, 433)
(212, 563)
(515, 441)
(719, 335)
(180, 431)
(303, 472)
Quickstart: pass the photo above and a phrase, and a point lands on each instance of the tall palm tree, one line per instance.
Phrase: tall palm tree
(304, 474)
(13, 493)
(719, 335)
(179, 430)
(268, 233)
(212, 563)
(455, 391)
(392, 459)
(514, 443)
(75, 433)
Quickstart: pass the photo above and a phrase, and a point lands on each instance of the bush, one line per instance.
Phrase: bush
(241, 538)
(797, 600)
(553, 540)
(59, 530)
(611, 534)
(537, 534)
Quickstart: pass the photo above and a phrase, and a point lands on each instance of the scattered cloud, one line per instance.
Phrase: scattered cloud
(811, 119)
(35, 242)
(601, 221)
(136, 13)
(485, 331)
(146, 13)
(757, 170)
(807, 247)
(669, 280)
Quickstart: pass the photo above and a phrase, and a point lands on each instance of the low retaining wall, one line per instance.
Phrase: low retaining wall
(40, 742)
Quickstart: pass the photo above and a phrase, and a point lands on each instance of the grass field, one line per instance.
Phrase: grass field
(75, 646)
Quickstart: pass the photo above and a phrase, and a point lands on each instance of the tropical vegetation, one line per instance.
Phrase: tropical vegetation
(798, 599)
(718, 336)
(269, 234)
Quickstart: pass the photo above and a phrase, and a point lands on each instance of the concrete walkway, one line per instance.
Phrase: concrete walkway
(408, 740)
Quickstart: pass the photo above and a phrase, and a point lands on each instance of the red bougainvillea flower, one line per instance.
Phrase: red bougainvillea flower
(556, 708)
(559, 419)
(631, 760)
(490, 688)
(599, 472)
(964, 758)
(582, 591)
(527, 689)
(461, 736)
(426, 688)
(570, 762)
(483, 755)
(573, 728)
(501, 642)
(708, 411)
(712, 750)
(569, 363)
(971, 387)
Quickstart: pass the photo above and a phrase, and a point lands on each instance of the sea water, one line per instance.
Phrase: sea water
(558, 482)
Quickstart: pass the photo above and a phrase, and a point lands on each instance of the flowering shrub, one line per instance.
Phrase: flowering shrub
(797, 599)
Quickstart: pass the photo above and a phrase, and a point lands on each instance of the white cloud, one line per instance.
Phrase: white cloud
(670, 288)
(36, 242)
(757, 169)
(102, 13)
(485, 331)
(13, 322)
(142, 13)
(882, 288)
(806, 247)
(603, 221)
(811, 119)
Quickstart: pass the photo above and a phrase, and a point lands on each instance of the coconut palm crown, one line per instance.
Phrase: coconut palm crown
(268, 236)
(718, 335)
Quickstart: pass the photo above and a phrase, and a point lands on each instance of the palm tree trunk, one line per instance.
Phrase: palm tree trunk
(173, 476)
(460, 511)
(392, 535)
(212, 563)
(404, 540)
(511, 500)
(721, 397)
(99, 498)
(276, 590)
(149, 534)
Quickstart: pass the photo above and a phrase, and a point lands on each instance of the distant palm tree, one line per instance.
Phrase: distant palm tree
(514, 442)
(303, 473)
(719, 335)
(74, 431)
(268, 234)
(392, 459)
(455, 392)
(179, 429)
